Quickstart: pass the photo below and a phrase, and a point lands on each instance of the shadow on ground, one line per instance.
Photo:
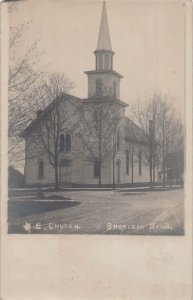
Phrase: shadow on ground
(57, 197)
(17, 209)
(133, 194)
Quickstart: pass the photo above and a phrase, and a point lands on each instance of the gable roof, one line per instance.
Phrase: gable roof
(63, 97)
(134, 133)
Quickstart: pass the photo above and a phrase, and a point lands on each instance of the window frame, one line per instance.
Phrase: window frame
(41, 169)
(115, 89)
(67, 142)
(118, 141)
(106, 62)
(62, 149)
(96, 169)
(127, 163)
(100, 61)
(67, 163)
(99, 87)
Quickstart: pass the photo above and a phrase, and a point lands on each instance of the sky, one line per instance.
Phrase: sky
(147, 38)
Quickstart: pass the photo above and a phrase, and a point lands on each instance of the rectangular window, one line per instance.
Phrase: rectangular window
(65, 142)
(100, 61)
(118, 140)
(127, 162)
(106, 61)
(99, 87)
(115, 89)
(40, 169)
(68, 142)
(111, 63)
(140, 165)
(62, 142)
(96, 167)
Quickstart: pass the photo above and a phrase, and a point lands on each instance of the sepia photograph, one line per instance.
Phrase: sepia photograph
(96, 117)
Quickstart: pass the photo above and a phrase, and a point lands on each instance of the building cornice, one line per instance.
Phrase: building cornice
(103, 100)
(103, 50)
(103, 72)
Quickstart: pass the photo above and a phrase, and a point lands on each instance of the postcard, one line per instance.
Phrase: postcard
(97, 143)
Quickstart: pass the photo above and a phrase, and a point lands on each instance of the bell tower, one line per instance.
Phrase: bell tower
(104, 53)
(104, 82)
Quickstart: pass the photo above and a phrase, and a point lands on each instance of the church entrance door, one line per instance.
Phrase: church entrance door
(65, 171)
(118, 171)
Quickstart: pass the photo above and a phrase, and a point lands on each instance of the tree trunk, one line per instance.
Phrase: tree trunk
(153, 167)
(150, 173)
(150, 167)
(100, 154)
(99, 166)
(113, 172)
(56, 178)
(153, 150)
(163, 154)
(164, 174)
(99, 173)
(132, 175)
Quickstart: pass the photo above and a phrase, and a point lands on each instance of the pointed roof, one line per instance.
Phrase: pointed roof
(104, 41)
(64, 97)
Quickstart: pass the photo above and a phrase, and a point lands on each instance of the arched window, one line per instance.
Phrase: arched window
(65, 163)
(118, 140)
(96, 167)
(62, 142)
(65, 142)
(99, 84)
(41, 169)
(68, 142)
(140, 165)
(127, 162)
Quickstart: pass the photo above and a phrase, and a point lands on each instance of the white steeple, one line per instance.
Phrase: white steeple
(104, 40)
(104, 81)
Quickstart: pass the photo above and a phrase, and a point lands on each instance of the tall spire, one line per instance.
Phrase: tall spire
(104, 41)
(104, 81)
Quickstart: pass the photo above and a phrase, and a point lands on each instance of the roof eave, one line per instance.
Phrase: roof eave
(104, 71)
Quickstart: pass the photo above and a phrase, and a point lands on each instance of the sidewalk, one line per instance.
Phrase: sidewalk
(33, 191)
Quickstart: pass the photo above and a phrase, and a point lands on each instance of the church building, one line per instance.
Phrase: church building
(96, 142)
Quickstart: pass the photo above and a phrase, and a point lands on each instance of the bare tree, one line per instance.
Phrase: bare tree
(137, 141)
(115, 124)
(24, 76)
(101, 122)
(158, 118)
(26, 73)
(166, 132)
(56, 115)
(30, 87)
(131, 150)
(171, 142)
(131, 142)
(177, 147)
(145, 114)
